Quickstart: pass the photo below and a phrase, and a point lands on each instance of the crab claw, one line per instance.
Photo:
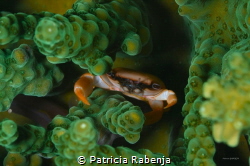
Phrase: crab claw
(171, 98)
(84, 87)
(167, 95)
(157, 105)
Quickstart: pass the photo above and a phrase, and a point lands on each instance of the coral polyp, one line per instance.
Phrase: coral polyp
(220, 33)
(84, 34)
(23, 73)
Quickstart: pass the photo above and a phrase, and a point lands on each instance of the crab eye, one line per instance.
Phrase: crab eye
(111, 74)
(156, 86)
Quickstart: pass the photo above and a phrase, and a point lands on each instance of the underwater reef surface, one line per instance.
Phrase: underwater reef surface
(216, 108)
(48, 45)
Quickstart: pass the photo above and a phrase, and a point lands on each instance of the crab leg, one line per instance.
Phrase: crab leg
(156, 113)
(84, 87)
(87, 82)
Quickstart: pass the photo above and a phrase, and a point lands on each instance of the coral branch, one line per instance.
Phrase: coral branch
(76, 134)
(216, 27)
(230, 113)
(22, 73)
(85, 34)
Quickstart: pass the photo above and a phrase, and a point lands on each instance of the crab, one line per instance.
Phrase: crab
(138, 85)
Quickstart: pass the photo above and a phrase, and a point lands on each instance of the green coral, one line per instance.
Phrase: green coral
(22, 73)
(21, 139)
(216, 27)
(19, 160)
(68, 137)
(84, 34)
(15, 27)
(81, 139)
(114, 113)
(230, 113)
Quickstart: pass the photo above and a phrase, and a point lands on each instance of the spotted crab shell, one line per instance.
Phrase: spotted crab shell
(144, 78)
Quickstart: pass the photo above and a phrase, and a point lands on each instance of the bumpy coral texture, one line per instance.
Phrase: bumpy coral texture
(230, 113)
(76, 134)
(215, 26)
(86, 34)
(114, 113)
(81, 138)
(19, 160)
(22, 73)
